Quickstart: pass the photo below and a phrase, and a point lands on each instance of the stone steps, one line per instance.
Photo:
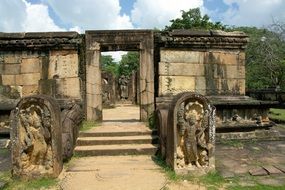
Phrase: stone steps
(111, 140)
(123, 139)
(112, 150)
(116, 133)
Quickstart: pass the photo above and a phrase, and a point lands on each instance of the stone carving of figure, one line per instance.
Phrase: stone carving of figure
(123, 83)
(192, 122)
(35, 138)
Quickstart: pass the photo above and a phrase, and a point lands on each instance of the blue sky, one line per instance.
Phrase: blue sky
(80, 15)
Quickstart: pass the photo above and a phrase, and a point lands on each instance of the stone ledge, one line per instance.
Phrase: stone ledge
(41, 40)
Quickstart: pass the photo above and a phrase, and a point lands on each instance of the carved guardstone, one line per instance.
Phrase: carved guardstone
(193, 121)
(36, 138)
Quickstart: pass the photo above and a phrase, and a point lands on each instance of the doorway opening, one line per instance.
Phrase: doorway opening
(98, 41)
(120, 89)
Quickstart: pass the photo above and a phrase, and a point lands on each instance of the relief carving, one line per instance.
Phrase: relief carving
(36, 138)
(193, 142)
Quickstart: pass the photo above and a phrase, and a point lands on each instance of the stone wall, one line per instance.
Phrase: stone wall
(35, 63)
(207, 63)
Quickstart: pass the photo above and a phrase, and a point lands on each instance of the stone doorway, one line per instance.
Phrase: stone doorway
(119, 40)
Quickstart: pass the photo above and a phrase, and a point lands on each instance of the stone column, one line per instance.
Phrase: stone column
(93, 83)
(146, 92)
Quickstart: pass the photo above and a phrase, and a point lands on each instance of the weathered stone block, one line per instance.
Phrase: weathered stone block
(31, 65)
(63, 64)
(222, 57)
(200, 85)
(36, 138)
(183, 56)
(29, 90)
(47, 87)
(224, 71)
(11, 69)
(176, 84)
(12, 57)
(28, 79)
(9, 79)
(181, 69)
(68, 88)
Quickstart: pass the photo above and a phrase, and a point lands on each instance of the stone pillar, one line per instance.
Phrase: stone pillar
(36, 138)
(93, 83)
(146, 92)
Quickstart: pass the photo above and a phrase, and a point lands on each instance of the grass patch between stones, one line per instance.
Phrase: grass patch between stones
(277, 114)
(17, 184)
(87, 124)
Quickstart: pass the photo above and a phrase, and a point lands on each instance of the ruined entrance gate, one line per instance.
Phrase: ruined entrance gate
(119, 40)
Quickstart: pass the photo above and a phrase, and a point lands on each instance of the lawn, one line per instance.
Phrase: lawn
(277, 114)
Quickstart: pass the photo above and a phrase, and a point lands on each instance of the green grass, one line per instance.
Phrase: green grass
(171, 175)
(86, 125)
(17, 184)
(4, 152)
(277, 114)
(213, 180)
(233, 143)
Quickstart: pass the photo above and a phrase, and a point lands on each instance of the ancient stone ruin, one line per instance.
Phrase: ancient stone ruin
(36, 138)
(66, 67)
(189, 134)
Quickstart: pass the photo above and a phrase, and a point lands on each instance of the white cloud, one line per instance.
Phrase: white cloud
(254, 12)
(91, 14)
(38, 19)
(20, 16)
(157, 13)
(116, 55)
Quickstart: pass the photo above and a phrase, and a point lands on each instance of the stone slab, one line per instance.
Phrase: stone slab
(181, 69)
(223, 57)
(175, 84)
(280, 167)
(31, 65)
(28, 90)
(12, 57)
(11, 69)
(272, 170)
(28, 79)
(9, 79)
(68, 88)
(114, 172)
(63, 64)
(182, 56)
(258, 171)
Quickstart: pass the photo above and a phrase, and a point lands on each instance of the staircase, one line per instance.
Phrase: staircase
(125, 138)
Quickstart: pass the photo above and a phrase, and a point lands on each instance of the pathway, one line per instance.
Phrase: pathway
(115, 172)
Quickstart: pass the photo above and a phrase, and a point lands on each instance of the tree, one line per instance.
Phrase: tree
(109, 65)
(129, 63)
(265, 57)
(193, 19)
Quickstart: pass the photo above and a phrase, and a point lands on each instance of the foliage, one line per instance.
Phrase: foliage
(87, 124)
(192, 19)
(17, 184)
(109, 65)
(233, 143)
(129, 63)
(277, 114)
(265, 57)
(152, 121)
